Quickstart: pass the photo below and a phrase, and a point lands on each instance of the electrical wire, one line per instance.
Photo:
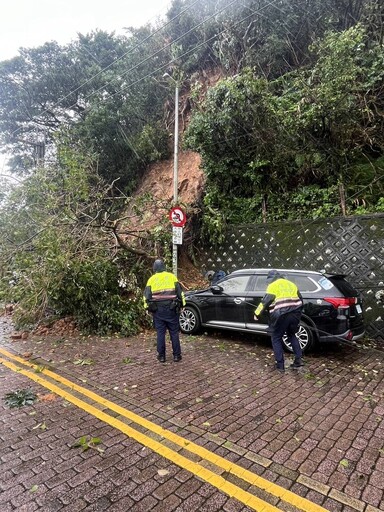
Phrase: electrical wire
(162, 67)
(253, 12)
(57, 104)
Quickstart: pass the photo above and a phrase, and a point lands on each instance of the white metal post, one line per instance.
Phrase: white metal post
(175, 170)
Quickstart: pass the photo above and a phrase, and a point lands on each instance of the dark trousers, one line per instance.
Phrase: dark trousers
(165, 319)
(286, 324)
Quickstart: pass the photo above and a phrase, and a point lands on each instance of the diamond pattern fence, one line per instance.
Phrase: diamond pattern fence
(353, 246)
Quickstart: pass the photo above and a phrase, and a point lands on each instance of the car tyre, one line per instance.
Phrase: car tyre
(305, 337)
(189, 321)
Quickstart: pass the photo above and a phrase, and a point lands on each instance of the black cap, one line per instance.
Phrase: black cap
(273, 275)
(159, 266)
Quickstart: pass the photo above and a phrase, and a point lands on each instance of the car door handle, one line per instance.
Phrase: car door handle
(239, 300)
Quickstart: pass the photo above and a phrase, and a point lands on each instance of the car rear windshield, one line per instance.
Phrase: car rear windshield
(346, 288)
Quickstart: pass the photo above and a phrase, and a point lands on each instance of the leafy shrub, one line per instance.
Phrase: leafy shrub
(90, 292)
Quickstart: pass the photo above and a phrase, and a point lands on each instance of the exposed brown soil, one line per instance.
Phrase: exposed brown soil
(159, 183)
(159, 179)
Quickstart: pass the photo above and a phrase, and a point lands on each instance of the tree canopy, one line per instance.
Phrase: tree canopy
(304, 136)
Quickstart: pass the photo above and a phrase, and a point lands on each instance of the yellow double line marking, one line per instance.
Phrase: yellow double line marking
(197, 469)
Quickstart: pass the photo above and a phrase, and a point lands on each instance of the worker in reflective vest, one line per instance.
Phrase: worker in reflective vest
(163, 297)
(284, 303)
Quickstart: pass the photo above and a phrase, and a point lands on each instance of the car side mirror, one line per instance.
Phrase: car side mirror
(216, 289)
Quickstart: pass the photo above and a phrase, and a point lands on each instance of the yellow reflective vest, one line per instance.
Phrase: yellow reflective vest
(163, 287)
(282, 296)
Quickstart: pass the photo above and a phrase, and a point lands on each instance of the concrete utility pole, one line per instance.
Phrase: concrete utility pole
(175, 164)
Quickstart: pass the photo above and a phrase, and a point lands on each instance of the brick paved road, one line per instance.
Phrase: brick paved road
(318, 433)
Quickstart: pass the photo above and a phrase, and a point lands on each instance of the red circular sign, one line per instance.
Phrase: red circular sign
(177, 217)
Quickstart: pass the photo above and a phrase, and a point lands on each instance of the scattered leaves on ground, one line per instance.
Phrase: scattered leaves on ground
(83, 362)
(20, 397)
(86, 442)
(41, 426)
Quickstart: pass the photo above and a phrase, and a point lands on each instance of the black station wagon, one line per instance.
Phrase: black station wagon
(332, 306)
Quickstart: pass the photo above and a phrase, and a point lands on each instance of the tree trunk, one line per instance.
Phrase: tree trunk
(342, 199)
(264, 208)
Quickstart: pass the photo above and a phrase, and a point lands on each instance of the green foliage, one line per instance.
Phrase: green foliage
(272, 38)
(89, 291)
(237, 113)
(19, 398)
(58, 248)
(288, 146)
(109, 112)
(366, 187)
(152, 143)
(310, 202)
(213, 225)
(192, 27)
(87, 442)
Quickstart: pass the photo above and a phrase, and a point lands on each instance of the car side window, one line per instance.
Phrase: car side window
(236, 284)
(259, 283)
(303, 283)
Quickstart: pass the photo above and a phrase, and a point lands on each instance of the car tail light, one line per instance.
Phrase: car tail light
(341, 302)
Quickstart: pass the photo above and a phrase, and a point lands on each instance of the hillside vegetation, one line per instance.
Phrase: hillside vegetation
(282, 102)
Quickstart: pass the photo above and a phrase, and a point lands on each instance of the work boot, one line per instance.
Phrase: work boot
(161, 358)
(279, 369)
(177, 358)
(297, 363)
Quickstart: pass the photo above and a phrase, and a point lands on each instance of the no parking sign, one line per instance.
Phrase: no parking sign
(177, 217)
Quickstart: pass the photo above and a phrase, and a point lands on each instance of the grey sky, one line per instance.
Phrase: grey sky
(30, 23)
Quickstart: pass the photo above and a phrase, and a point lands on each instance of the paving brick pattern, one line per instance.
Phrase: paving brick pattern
(318, 432)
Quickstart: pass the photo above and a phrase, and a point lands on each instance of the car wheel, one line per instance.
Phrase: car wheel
(305, 337)
(189, 320)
